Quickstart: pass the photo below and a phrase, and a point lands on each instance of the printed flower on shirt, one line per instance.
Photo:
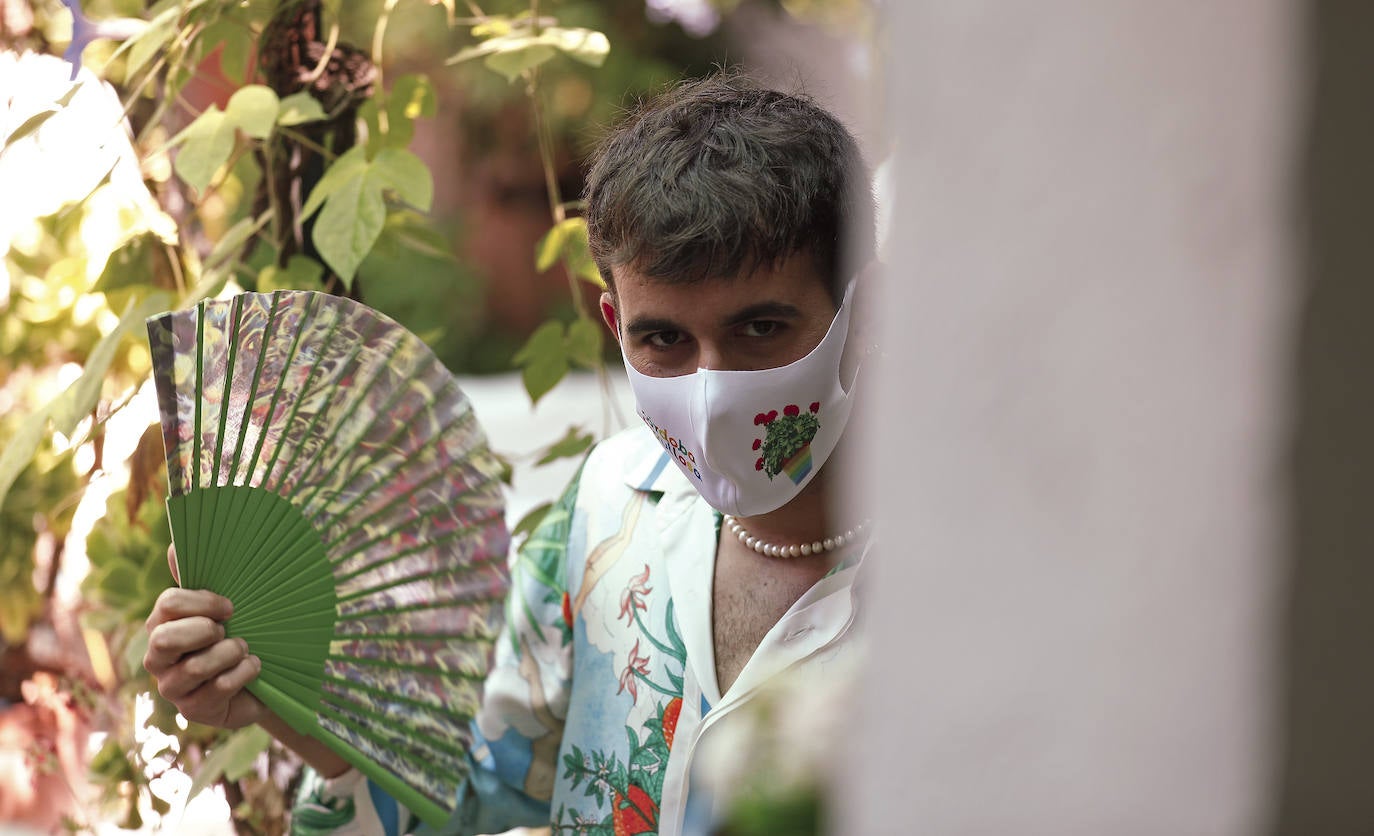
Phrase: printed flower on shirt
(636, 665)
(633, 597)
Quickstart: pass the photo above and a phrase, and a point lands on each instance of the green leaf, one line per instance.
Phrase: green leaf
(567, 240)
(585, 45)
(20, 449)
(509, 55)
(234, 238)
(237, 43)
(404, 173)
(207, 143)
(348, 226)
(232, 758)
(83, 394)
(512, 61)
(30, 125)
(584, 343)
(301, 273)
(550, 247)
(531, 520)
(130, 265)
(66, 98)
(299, 108)
(350, 165)
(253, 110)
(543, 360)
(150, 41)
(574, 443)
(411, 97)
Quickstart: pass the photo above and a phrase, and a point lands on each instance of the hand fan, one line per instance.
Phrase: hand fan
(328, 477)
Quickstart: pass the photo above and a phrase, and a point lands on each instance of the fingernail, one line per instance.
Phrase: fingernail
(257, 663)
(244, 646)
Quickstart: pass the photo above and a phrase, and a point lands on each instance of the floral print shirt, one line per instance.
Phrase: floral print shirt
(604, 680)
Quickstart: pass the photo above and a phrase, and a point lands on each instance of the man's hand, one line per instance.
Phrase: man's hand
(197, 669)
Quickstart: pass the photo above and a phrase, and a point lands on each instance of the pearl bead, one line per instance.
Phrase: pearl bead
(829, 544)
(806, 548)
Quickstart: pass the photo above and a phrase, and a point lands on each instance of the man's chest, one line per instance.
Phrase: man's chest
(750, 594)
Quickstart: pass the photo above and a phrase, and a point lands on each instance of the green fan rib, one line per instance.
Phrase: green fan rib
(431, 605)
(400, 499)
(432, 811)
(276, 392)
(397, 666)
(340, 449)
(301, 396)
(200, 388)
(253, 388)
(458, 717)
(236, 312)
(337, 708)
(455, 534)
(343, 702)
(310, 625)
(389, 445)
(310, 431)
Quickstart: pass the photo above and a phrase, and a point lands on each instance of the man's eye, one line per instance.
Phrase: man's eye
(663, 339)
(762, 328)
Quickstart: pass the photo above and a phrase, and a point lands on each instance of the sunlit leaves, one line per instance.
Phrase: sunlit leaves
(206, 145)
(255, 110)
(567, 241)
(574, 442)
(349, 198)
(513, 45)
(231, 758)
(552, 349)
(349, 224)
(300, 273)
(299, 108)
(80, 398)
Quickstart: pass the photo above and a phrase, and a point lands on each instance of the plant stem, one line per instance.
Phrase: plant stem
(378, 36)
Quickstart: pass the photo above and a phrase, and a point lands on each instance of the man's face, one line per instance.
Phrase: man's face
(769, 319)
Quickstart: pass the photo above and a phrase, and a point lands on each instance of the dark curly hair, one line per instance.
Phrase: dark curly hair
(719, 176)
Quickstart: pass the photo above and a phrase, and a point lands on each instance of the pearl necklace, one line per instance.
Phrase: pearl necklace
(839, 541)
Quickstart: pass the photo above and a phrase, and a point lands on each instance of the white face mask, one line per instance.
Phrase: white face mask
(749, 441)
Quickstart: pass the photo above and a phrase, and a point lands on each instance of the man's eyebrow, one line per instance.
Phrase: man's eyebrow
(648, 325)
(762, 310)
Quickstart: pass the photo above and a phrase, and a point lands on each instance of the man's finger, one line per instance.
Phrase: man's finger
(172, 563)
(212, 702)
(196, 669)
(169, 641)
(177, 603)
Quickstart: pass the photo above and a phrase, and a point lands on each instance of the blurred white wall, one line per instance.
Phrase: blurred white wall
(1080, 423)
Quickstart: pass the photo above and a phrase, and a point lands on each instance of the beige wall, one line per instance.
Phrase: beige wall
(1080, 426)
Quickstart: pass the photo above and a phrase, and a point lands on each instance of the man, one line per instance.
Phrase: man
(689, 564)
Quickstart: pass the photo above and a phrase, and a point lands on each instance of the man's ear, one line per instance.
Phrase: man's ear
(608, 313)
(860, 342)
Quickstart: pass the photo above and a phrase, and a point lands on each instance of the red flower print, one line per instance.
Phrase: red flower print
(633, 597)
(567, 611)
(762, 417)
(772, 416)
(758, 465)
(758, 442)
(790, 409)
(633, 815)
(815, 406)
(635, 664)
(670, 714)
